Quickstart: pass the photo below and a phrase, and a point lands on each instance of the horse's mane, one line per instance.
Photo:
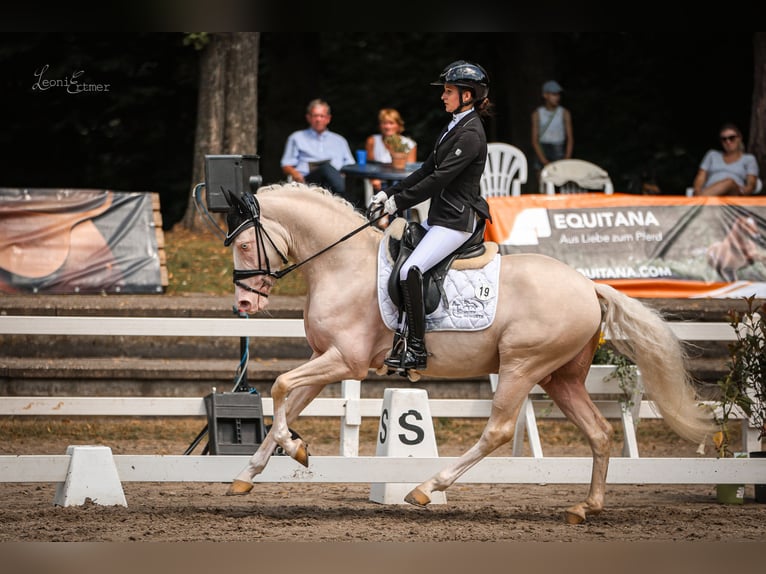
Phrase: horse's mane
(295, 187)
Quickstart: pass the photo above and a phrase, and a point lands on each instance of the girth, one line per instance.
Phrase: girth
(433, 280)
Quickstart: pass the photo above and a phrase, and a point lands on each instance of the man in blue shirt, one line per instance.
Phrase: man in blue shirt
(315, 155)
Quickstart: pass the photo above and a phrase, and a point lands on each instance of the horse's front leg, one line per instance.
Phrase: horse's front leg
(243, 483)
(314, 374)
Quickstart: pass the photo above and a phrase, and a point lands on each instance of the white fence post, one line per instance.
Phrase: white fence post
(351, 419)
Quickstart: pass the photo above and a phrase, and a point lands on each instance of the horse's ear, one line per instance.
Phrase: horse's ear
(227, 196)
(243, 212)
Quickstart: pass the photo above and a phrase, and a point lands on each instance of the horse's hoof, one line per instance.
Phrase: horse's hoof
(302, 454)
(417, 497)
(574, 515)
(384, 370)
(239, 487)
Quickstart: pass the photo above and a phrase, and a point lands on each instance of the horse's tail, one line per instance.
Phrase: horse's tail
(640, 333)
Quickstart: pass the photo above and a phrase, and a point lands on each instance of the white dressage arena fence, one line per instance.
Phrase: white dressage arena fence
(392, 467)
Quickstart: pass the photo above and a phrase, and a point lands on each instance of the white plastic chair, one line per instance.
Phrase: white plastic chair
(574, 176)
(758, 188)
(504, 172)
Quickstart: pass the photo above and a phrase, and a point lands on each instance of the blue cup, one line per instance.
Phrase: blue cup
(361, 157)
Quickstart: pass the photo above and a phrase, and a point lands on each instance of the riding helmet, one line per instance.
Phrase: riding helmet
(467, 75)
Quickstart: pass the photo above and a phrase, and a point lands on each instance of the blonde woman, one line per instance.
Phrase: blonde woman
(390, 122)
(727, 172)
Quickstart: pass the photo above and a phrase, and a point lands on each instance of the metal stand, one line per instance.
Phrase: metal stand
(235, 419)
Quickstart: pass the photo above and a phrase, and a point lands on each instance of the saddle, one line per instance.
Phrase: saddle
(402, 242)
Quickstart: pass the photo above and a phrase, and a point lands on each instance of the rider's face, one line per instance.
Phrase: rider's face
(451, 98)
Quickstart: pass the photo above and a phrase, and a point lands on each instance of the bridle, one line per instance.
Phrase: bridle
(251, 210)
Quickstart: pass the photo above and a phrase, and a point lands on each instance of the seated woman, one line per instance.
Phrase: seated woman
(390, 122)
(731, 172)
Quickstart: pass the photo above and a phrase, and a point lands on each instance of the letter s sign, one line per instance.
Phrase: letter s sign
(383, 434)
(419, 432)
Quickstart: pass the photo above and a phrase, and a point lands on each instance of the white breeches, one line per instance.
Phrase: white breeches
(437, 243)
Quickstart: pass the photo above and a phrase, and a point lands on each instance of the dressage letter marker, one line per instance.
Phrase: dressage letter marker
(92, 474)
(406, 429)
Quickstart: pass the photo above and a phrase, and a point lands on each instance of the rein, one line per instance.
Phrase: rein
(254, 216)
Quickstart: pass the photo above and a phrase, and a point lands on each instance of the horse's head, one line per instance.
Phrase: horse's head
(259, 248)
(298, 220)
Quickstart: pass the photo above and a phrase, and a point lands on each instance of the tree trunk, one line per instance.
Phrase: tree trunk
(757, 143)
(227, 118)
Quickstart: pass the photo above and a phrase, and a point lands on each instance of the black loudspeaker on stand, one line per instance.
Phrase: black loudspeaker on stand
(235, 419)
(235, 422)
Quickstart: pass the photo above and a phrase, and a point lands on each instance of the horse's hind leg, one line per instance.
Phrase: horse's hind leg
(567, 390)
(498, 431)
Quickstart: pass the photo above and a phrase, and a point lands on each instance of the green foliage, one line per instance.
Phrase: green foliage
(624, 373)
(197, 39)
(396, 144)
(744, 386)
(139, 135)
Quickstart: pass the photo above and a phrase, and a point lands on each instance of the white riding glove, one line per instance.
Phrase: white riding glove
(381, 202)
(377, 208)
(390, 205)
(379, 197)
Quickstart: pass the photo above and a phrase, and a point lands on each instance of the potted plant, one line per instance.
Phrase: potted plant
(399, 149)
(744, 386)
(621, 369)
(730, 398)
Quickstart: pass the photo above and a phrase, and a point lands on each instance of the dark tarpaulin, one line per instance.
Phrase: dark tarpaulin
(78, 241)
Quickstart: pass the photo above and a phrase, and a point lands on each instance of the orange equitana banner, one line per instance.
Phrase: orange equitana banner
(645, 246)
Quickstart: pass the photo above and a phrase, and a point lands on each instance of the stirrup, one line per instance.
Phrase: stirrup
(394, 360)
(398, 348)
(406, 361)
(414, 361)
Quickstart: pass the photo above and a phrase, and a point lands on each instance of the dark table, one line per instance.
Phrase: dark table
(375, 170)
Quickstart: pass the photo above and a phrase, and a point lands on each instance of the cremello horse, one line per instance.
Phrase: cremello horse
(545, 331)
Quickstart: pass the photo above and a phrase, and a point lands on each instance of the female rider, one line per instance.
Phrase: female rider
(449, 177)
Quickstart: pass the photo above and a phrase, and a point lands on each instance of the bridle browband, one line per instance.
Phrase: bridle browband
(251, 210)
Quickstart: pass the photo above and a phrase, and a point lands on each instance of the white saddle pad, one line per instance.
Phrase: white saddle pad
(471, 297)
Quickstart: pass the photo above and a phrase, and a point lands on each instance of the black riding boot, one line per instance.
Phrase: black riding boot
(413, 354)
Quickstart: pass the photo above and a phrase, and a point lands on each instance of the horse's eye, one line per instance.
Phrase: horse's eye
(244, 246)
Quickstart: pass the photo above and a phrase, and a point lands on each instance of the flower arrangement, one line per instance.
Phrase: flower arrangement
(396, 144)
